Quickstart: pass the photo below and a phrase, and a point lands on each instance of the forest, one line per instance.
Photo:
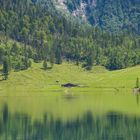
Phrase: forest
(109, 15)
(39, 33)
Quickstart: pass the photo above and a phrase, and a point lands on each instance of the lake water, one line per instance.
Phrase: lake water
(78, 117)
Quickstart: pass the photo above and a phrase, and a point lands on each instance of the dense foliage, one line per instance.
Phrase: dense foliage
(111, 15)
(53, 38)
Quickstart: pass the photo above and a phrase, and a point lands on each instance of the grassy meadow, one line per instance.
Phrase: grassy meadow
(37, 80)
(35, 91)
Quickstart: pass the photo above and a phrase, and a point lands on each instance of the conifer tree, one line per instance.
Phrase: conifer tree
(58, 56)
(45, 66)
(137, 82)
(89, 62)
(5, 68)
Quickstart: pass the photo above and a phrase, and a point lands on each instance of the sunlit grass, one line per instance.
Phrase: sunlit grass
(36, 79)
(35, 91)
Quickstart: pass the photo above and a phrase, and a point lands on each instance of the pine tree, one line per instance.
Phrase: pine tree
(5, 68)
(45, 66)
(58, 56)
(89, 62)
(137, 82)
(52, 59)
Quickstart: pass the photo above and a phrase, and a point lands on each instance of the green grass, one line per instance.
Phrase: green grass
(35, 91)
(36, 79)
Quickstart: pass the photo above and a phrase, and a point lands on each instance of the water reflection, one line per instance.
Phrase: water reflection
(137, 99)
(112, 126)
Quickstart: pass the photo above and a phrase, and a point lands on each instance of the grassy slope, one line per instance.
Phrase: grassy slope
(105, 91)
(36, 79)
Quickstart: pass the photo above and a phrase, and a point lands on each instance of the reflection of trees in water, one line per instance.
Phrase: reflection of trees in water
(113, 126)
(137, 99)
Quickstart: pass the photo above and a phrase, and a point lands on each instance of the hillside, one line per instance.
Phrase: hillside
(36, 80)
(109, 15)
(55, 38)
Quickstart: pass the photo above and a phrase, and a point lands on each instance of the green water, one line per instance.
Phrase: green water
(101, 116)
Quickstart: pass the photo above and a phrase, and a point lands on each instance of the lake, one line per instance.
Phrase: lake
(76, 116)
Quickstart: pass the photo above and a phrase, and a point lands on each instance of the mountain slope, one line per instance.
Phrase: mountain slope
(55, 37)
(108, 14)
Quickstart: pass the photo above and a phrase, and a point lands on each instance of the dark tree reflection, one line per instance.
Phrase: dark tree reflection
(112, 126)
(137, 99)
